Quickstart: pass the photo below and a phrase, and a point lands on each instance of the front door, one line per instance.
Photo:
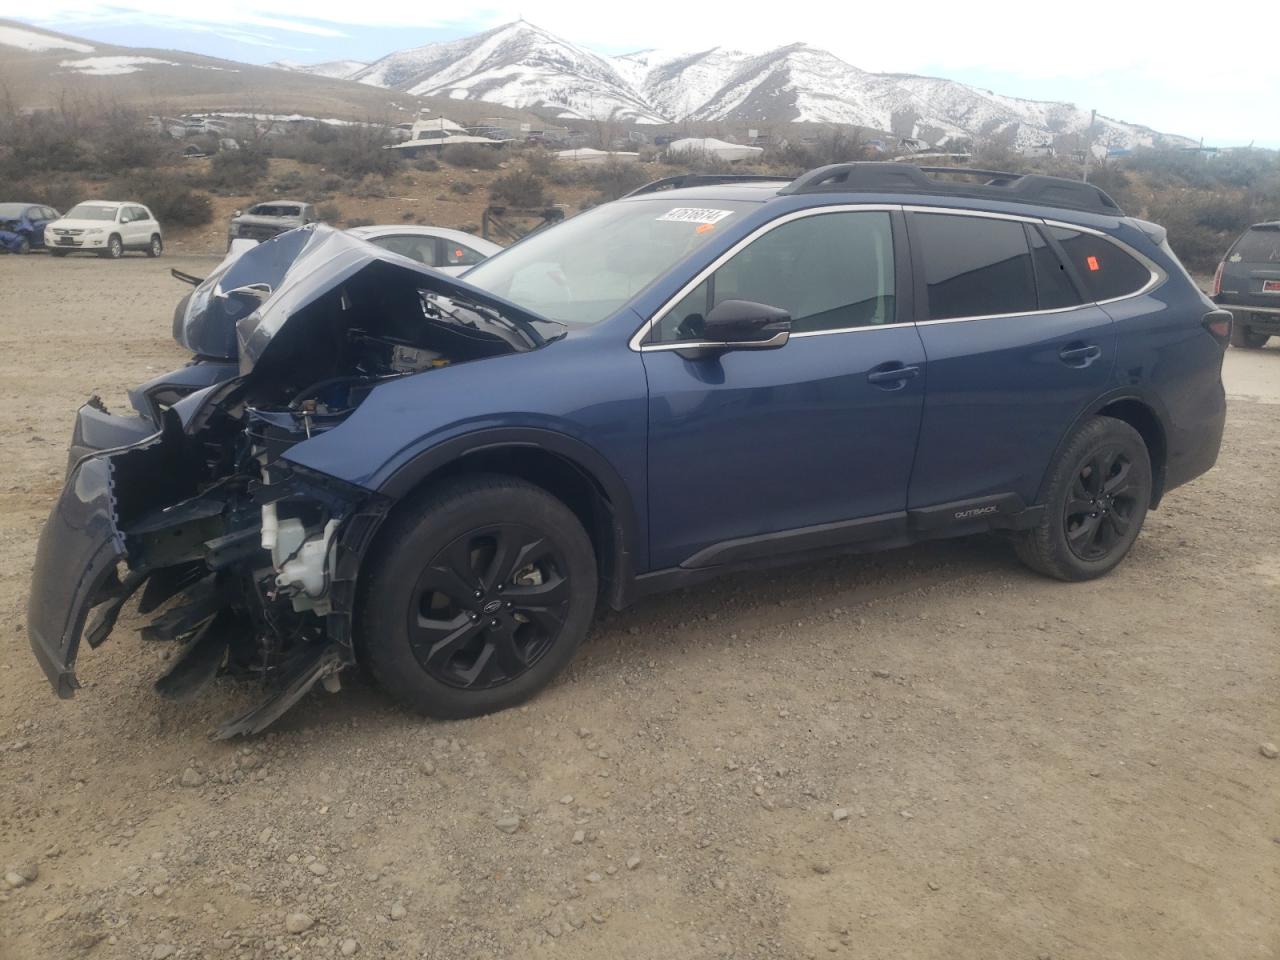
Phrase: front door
(762, 449)
(1014, 356)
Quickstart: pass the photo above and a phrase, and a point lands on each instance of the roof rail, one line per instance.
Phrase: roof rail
(888, 176)
(704, 180)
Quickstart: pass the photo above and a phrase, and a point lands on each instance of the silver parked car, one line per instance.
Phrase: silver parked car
(265, 220)
(449, 251)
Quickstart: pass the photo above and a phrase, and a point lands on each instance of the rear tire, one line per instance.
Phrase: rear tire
(156, 246)
(1099, 492)
(24, 247)
(1242, 336)
(478, 598)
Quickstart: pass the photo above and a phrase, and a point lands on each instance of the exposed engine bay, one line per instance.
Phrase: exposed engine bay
(249, 561)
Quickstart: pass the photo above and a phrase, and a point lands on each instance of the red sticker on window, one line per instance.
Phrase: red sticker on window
(1093, 263)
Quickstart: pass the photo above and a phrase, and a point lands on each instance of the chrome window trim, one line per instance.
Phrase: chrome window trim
(962, 212)
(1158, 275)
(637, 338)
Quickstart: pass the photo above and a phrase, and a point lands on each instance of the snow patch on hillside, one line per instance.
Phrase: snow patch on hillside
(38, 42)
(112, 66)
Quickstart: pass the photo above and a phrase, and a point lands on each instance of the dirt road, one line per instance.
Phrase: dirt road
(929, 753)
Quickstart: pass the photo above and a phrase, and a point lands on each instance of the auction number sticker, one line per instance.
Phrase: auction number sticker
(695, 215)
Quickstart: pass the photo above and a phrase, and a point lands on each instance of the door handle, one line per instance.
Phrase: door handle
(1080, 355)
(889, 374)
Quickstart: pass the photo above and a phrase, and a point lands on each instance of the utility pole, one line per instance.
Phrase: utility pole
(1088, 147)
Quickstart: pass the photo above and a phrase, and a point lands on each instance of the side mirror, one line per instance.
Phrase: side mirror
(236, 214)
(747, 325)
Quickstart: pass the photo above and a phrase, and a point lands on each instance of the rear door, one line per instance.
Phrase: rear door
(752, 452)
(1014, 354)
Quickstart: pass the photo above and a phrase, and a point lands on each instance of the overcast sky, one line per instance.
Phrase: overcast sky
(1152, 63)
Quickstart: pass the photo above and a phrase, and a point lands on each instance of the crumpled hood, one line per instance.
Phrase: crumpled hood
(299, 267)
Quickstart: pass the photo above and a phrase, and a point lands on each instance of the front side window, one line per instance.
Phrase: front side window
(975, 266)
(584, 269)
(830, 271)
(1105, 270)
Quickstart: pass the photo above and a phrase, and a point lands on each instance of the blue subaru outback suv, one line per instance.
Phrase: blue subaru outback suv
(368, 462)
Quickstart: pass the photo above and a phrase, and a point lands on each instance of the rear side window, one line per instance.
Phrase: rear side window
(1257, 246)
(975, 266)
(1054, 289)
(1105, 270)
(460, 255)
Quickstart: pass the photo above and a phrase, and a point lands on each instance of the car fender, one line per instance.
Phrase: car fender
(1146, 397)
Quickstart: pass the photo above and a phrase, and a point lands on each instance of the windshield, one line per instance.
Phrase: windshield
(1260, 245)
(584, 269)
(12, 211)
(90, 211)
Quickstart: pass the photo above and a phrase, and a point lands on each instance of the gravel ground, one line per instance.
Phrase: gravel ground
(924, 753)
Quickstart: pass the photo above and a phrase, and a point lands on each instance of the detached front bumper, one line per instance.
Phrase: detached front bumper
(75, 569)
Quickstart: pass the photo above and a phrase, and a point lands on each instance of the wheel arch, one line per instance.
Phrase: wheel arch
(1139, 411)
(576, 474)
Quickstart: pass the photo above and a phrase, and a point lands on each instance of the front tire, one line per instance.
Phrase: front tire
(24, 247)
(115, 248)
(1099, 492)
(1242, 336)
(156, 246)
(478, 598)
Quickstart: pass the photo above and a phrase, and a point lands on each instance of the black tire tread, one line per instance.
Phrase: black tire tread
(407, 686)
(1038, 547)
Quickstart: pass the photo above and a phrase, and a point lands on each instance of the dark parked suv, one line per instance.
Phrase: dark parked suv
(1248, 284)
(372, 462)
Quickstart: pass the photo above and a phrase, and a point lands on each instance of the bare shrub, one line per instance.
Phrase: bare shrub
(519, 188)
(475, 156)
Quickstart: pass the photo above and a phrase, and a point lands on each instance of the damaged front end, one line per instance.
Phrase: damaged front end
(251, 561)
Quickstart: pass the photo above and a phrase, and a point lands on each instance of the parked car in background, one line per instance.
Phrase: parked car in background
(440, 478)
(107, 228)
(449, 251)
(263, 221)
(22, 226)
(1248, 284)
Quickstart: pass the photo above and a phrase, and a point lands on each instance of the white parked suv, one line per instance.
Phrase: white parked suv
(107, 228)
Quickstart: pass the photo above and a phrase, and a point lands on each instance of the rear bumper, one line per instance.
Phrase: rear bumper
(1261, 317)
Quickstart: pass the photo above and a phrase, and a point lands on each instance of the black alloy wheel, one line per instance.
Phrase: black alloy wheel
(1099, 488)
(1100, 509)
(489, 606)
(479, 590)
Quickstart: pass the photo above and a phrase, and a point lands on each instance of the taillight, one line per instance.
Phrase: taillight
(1217, 278)
(1218, 323)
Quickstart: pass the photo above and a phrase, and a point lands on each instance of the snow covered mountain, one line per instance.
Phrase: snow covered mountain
(518, 65)
(333, 69)
(521, 65)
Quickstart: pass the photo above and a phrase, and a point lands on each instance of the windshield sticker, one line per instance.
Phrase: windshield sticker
(695, 215)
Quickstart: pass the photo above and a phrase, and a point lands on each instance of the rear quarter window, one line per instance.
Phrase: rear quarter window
(1106, 271)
